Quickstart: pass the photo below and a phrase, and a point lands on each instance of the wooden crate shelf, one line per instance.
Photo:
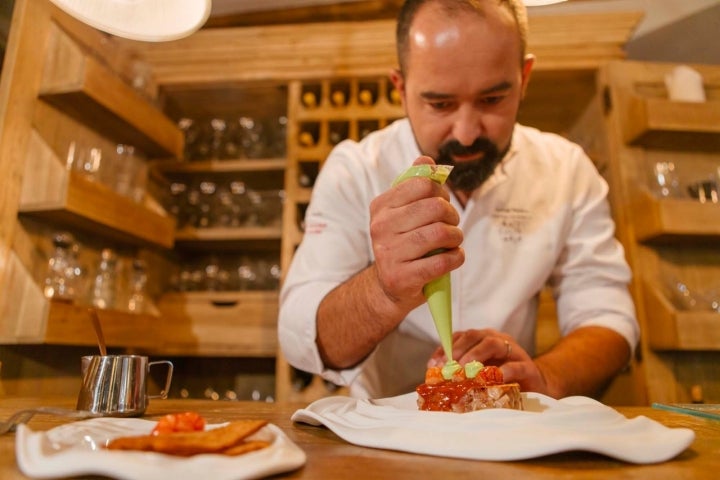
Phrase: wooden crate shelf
(95, 208)
(240, 324)
(223, 166)
(675, 220)
(662, 123)
(87, 90)
(212, 239)
(71, 324)
(673, 329)
(381, 110)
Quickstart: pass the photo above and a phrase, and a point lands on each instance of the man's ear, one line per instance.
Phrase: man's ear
(526, 71)
(398, 81)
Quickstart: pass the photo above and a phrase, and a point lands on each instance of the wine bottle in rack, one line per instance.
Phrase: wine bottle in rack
(338, 98)
(367, 93)
(309, 99)
(394, 96)
(338, 131)
(365, 97)
(308, 172)
(309, 134)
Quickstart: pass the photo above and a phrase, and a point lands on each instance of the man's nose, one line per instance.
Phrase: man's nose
(467, 126)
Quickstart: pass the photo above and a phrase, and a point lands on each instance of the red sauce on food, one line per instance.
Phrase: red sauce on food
(441, 396)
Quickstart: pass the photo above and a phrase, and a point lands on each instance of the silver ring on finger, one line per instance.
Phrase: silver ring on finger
(508, 349)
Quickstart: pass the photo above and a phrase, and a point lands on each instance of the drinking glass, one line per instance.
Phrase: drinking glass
(681, 295)
(705, 191)
(138, 282)
(61, 280)
(664, 180)
(252, 137)
(247, 275)
(88, 160)
(207, 208)
(104, 285)
(191, 132)
(218, 138)
(129, 172)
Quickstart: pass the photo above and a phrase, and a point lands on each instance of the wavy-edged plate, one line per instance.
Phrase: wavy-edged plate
(546, 426)
(78, 449)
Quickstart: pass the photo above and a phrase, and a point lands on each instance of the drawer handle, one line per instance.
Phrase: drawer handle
(224, 303)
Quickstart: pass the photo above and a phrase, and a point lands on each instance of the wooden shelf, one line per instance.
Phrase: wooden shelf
(673, 329)
(95, 208)
(218, 324)
(662, 123)
(226, 239)
(675, 220)
(71, 324)
(230, 166)
(87, 90)
(351, 112)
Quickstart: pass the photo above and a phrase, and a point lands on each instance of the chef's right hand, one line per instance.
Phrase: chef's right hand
(406, 222)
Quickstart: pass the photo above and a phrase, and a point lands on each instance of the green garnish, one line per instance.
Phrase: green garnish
(449, 369)
(473, 368)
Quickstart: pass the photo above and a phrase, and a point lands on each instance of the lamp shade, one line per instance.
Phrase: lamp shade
(144, 20)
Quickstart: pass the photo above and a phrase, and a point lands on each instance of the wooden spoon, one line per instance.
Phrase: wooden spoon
(98, 331)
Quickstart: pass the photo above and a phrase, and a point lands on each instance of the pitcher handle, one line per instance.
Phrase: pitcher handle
(164, 392)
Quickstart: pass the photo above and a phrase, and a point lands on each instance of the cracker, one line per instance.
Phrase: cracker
(191, 443)
(246, 446)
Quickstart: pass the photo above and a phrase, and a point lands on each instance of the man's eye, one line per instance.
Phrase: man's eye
(443, 105)
(492, 100)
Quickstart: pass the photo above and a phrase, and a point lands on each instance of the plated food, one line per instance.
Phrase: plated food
(461, 389)
(184, 435)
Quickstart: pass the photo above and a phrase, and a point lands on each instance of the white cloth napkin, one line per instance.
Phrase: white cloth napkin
(546, 426)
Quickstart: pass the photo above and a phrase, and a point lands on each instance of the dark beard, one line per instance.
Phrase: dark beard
(467, 176)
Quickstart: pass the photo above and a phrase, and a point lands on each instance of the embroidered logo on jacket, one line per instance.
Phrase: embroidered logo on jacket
(511, 223)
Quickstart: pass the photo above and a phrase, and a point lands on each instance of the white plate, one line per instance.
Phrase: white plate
(144, 20)
(546, 426)
(76, 449)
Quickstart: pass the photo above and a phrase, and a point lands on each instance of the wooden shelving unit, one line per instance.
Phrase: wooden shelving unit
(679, 220)
(662, 123)
(91, 207)
(78, 84)
(677, 236)
(227, 234)
(241, 324)
(245, 165)
(318, 118)
(70, 324)
(683, 330)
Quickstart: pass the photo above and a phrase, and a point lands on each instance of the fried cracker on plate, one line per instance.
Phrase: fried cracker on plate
(216, 440)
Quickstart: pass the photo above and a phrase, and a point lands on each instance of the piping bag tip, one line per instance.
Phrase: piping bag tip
(439, 300)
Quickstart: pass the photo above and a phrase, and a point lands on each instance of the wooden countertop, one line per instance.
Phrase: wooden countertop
(330, 457)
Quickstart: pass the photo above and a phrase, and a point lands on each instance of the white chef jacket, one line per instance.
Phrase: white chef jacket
(541, 218)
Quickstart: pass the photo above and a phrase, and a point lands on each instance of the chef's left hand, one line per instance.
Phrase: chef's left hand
(495, 348)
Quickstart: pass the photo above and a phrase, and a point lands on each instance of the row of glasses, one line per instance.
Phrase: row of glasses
(692, 298)
(108, 288)
(234, 138)
(231, 272)
(123, 169)
(207, 203)
(665, 183)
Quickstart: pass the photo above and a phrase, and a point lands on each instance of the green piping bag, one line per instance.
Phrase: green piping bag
(437, 292)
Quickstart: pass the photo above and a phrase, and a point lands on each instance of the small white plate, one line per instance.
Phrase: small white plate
(77, 449)
(546, 426)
